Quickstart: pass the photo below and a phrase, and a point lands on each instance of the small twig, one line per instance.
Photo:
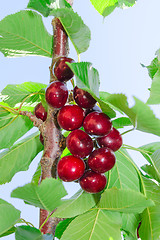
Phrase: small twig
(36, 121)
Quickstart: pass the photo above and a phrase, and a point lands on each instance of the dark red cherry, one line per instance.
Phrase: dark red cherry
(62, 71)
(101, 160)
(113, 140)
(56, 94)
(83, 98)
(93, 182)
(79, 143)
(70, 168)
(70, 117)
(98, 124)
(41, 138)
(40, 112)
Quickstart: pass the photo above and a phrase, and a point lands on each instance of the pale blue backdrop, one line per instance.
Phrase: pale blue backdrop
(119, 44)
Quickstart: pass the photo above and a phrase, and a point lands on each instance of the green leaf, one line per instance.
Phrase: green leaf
(152, 190)
(65, 152)
(37, 175)
(87, 78)
(75, 28)
(150, 171)
(126, 3)
(46, 196)
(129, 224)
(19, 35)
(121, 122)
(19, 157)
(153, 67)
(8, 217)
(9, 232)
(149, 228)
(29, 92)
(104, 7)
(61, 227)
(95, 224)
(152, 155)
(118, 102)
(151, 216)
(141, 116)
(124, 174)
(27, 233)
(149, 149)
(15, 125)
(45, 6)
(155, 89)
(77, 204)
(124, 200)
(145, 118)
(156, 162)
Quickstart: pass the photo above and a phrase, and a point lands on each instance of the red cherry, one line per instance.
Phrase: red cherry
(56, 94)
(40, 112)
(70, 117)
(62, 71)
(113, 140)
(83, 98)
(70, 168)
(41, 138)
(101, 160)
(93, 182)
(79, 143)
(98, 124)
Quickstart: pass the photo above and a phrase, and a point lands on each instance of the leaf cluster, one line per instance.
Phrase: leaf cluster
(132, 195)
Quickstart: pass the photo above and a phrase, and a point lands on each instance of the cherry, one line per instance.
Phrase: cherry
(70, 168)
(83, 98)
(56, 94)
(96, 123)
(101, 160)
(93, 182)
(62, 71)
(113, 140)
(40, 112)
(79, 143)
(41, 138)
(70, 117)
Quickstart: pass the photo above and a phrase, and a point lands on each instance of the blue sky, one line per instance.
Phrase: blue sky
(119, 44)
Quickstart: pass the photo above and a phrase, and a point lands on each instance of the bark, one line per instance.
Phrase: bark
(53, 139)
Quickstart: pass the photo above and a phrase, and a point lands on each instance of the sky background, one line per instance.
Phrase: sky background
(119, 44)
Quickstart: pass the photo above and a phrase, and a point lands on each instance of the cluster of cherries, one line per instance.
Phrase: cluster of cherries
(88, 162)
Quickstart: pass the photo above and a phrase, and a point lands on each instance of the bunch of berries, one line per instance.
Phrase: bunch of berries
(93, 148)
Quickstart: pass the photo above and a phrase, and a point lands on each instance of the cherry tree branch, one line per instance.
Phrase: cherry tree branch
(36, 121)
(54, 142)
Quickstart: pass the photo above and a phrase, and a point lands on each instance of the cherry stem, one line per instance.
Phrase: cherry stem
(44, 222)
(136, 149)
(27, 223)
(130, 130)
